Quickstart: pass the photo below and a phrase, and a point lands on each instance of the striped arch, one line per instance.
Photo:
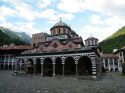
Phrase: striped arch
(58, 66)
(84, 65)
(70, 67)
(47, 67)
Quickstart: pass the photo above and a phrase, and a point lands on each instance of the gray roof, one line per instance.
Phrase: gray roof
(60, 23)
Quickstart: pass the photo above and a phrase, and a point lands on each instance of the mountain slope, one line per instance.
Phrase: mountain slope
(7, 36)
(115, 41)
(24, 37)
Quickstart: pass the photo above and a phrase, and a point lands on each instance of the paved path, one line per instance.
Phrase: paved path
(111, 83)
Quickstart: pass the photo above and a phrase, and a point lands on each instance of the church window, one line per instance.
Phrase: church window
(59, 31)
(64, 30)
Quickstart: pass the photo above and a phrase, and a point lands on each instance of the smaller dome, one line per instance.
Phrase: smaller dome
(60, 23)
(91, 37)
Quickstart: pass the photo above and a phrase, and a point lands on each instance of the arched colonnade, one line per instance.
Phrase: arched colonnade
(58, 65)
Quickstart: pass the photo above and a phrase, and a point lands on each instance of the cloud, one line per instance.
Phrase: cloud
(71, 6)
(105, 16)
(52, 16)
(5, 11)
(102, 27)
(95, 19)
(107, 7)
(25, 11)
(44, 3)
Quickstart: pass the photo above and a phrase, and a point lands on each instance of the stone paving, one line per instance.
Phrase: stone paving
(110, 83)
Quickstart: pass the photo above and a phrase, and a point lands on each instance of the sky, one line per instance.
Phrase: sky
(99, 18)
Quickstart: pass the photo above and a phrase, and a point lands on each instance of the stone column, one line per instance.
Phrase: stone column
(0, 61)
(16, 60)
(53, 60)
(63, 63)
(53, 68)
(25, 64)
(113, 64)
(12, 66)
(8, 61)
(94, 67)
(41, 66)
(76, 63)
(109, 67)
(34, 65)
(20, 64)
(63, 67)
(104, 63)
(4, 59)
(122, 57)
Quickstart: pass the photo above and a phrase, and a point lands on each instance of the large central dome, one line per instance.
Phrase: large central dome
(60, 23)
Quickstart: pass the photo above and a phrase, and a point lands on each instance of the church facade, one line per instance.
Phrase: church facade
(61, 53)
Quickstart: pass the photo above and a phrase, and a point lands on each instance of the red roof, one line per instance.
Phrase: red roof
(16, 47)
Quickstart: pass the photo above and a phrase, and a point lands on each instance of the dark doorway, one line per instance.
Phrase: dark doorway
(69, 68)
(1, 66)
(84, 65)
(47, 67)
(38, 66)
(30, 66)
(58, 66)
(6, 66)
(10, 67)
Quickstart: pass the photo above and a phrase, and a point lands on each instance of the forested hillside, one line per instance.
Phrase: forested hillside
(115, 41)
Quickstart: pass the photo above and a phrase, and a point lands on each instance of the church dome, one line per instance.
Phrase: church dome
(91, 37)
(60, 23)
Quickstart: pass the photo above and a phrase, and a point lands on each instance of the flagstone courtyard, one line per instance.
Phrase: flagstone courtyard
(110, 83)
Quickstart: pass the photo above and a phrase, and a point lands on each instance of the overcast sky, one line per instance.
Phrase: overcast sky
(99, 18)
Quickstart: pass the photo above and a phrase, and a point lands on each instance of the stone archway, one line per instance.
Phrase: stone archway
(2, 66)
(48, 67)
(10, 66)
(70, 67)
(6, 66)
(23, 65)
(29, 66)
(58, 66)
(84, 66)
(38, 66)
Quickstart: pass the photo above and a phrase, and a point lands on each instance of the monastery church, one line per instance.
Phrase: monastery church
(61, 53)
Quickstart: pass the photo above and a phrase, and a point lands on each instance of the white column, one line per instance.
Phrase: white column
(4, 62)
(63, 63)
(12, 66)
(95, 75)
(113, 64)
(63, 67)
(76, 63)
(20, 64)
(42, 66)
(122, 57)
(8, 61)
(13, 63)
(104, 63)
(53, 68)
(25, 65)
(34, 67)
(109, 67)
(16, 60)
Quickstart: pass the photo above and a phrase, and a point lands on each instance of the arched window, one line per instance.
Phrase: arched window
(59, 31)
